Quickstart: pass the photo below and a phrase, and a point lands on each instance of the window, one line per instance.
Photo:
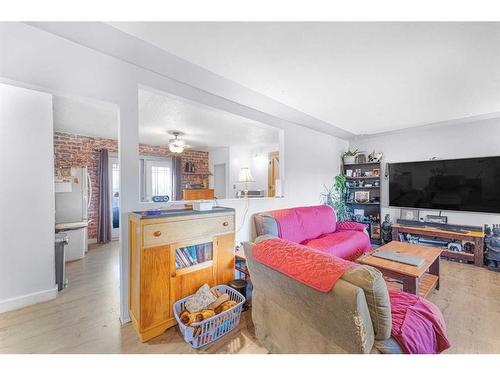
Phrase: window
(161, 183)
(157, 178)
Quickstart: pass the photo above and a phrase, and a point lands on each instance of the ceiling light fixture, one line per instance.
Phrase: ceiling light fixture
(176, 145)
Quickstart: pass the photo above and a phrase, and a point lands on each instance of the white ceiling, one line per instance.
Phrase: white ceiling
(362, 77)
(204, 127)
(85, 117)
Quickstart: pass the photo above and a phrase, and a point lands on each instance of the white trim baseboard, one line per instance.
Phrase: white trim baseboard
(28, 299)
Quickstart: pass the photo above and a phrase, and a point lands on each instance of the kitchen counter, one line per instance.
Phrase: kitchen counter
(151, 214)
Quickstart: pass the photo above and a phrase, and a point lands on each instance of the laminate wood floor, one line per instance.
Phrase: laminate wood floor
(84, 317)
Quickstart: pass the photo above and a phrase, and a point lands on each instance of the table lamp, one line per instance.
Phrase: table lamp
(245, 177)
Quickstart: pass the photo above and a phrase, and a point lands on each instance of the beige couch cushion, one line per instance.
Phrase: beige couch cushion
(377, 297)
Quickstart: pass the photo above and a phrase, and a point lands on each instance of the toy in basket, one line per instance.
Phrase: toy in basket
(208, 314)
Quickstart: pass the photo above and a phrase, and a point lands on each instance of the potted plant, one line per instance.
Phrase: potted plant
(350, 156)
(336, 197)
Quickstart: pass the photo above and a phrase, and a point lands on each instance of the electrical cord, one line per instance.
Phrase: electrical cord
(244, 215)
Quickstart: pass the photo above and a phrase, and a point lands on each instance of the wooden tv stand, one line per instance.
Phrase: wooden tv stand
(477, 238)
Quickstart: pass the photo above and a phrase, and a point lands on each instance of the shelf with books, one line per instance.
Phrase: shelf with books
(193, 255)
(365, 201)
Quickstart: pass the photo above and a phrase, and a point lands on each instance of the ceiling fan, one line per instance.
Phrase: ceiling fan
(176, 145)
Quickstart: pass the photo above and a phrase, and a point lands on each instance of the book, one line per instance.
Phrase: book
(188, 255)
(179, 260)
(200, 253)
(192, 253)
(182, 256)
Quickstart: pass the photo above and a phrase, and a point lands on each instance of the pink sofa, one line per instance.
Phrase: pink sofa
(316, 227)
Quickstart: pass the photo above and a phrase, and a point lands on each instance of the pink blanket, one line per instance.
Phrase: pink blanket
(311, 267)
(417, 324)
(304, 223)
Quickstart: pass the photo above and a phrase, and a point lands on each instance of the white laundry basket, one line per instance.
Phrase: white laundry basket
(215, 327)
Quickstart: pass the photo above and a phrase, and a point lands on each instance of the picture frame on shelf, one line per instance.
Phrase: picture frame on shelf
(362, 196)
(376, 172)
(410, 214)
(359, 212)
(348, 172)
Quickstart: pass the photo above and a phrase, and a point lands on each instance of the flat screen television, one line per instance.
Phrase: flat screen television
(459, 184)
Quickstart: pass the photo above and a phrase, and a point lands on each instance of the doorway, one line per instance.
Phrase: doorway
(220, 180)
(273, 173)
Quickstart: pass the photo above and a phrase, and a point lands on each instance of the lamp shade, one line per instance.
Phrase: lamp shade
(245, 175)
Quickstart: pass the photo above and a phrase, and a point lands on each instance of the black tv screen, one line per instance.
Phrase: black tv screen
(458, 185)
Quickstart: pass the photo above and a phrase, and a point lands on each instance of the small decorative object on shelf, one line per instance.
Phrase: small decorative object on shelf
(189, 167)
(409, 214)
(376, 172)
(454, 246)
(375, 157)
(360, 158)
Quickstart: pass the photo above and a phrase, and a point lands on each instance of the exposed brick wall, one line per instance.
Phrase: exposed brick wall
(72, 149)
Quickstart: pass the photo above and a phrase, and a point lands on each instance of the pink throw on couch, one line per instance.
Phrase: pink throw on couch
(309, 266)
(417, 324)
(304, 223)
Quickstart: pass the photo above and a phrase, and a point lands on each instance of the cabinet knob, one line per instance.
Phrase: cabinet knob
(157, 233)
(173, 274)
(225, 223)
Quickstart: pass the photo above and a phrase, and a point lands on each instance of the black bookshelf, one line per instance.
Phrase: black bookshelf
(357, 180)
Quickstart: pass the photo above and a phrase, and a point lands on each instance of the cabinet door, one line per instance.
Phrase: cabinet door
(225, 258)
(155, 291)
(192, 264)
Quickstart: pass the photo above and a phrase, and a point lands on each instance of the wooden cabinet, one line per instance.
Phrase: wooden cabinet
(196, 194)
(170, 258)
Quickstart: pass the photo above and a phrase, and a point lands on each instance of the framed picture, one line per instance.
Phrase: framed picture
(359, 211)
(376, 172)
(348, 172)
(362, 196)
(409, 214)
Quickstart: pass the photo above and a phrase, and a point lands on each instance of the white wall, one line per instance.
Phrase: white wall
(311, 160)
(35, 58)
(451, 141)
(27, 198)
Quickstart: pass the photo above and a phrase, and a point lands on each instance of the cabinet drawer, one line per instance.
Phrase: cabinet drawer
(176, 231)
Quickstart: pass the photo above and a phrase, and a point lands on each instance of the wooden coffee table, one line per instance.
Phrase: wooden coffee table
(416, 280)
